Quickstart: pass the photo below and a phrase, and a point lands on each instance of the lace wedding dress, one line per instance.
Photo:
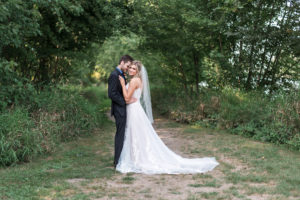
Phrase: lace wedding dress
(144, 152)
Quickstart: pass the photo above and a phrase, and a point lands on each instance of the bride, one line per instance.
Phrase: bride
(143, 151)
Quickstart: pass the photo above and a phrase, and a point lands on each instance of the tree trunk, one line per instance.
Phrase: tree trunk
(274, 66)
(250, 73)
(183, 78)
(196, 68)
(249, 78)
(261, 67)
(44, 76)
(240, 62)
(260, 80)
(220, 44)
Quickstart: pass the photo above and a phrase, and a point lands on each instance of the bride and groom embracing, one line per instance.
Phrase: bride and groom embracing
(138, 148)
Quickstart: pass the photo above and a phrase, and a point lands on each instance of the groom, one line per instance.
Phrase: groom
(118, 105)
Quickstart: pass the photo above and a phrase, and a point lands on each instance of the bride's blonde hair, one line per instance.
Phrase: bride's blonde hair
(139, 65)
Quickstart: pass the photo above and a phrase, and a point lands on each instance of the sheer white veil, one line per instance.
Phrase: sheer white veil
(146, 97)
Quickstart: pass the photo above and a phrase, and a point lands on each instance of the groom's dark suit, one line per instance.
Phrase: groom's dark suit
(118, 110)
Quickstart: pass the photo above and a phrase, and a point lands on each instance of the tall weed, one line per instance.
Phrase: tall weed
(55, 115)
(19, 139)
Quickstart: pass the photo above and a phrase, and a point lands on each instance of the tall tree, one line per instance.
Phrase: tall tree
(185, 32)
(44, 37)
(261, 35)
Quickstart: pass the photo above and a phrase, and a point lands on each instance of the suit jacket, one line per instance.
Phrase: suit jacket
(115, 93)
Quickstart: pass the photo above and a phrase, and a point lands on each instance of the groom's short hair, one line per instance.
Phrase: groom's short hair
(126, 58)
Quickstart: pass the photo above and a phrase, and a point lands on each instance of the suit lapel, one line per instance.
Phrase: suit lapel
(119, 73)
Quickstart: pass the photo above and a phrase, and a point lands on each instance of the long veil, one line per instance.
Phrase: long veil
(146, 97)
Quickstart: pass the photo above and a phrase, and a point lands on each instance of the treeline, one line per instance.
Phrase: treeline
(252, 45)
(45, 42)
(227, 64)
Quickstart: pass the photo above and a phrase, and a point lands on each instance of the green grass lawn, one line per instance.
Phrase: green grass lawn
(251, 167)
(81, 168)
(52, 177)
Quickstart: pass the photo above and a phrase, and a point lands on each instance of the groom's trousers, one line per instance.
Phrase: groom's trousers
(119, 137)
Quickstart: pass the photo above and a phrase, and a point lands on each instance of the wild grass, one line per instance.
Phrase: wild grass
(56, 115)
(252, 168)
(266, 118)
(64, 171)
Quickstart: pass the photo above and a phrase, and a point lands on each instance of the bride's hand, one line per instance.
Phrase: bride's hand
(122, 80)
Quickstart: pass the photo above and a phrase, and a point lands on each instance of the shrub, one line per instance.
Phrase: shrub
(55, 115)
(14, 89)
(19, 139)
(69, 112)
(252, 114)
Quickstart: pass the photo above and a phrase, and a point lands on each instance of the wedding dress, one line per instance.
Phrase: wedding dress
(144, 152)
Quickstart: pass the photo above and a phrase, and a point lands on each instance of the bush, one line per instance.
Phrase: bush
(55, 115)
(68, 113)
(253, 114)
(14, 89)
(19, 139)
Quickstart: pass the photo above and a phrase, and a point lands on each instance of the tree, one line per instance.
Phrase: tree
(185, 32)
(44, 38)
(246, 44)
(259, 38)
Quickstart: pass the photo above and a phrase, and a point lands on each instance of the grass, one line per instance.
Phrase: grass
(57, 114)
(63, 172)
(128, 180)
(254, 168)
(212, 183)
(208, 195)
(81, 169)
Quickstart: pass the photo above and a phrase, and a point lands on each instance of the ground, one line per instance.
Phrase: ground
(82, 169)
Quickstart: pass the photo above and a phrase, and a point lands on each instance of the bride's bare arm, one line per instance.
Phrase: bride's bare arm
(132, 100)
(128, 93)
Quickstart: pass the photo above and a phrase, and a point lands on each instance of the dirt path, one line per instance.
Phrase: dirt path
(140, 186)
(234, 178)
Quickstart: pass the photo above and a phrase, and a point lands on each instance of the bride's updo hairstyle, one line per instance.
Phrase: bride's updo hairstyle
(139, 65)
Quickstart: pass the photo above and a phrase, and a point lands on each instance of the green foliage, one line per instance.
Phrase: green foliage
(182, 31)
(245, 44)
(13, 88)
(118, 45)
(250, 114)
(260, 49)
(229, 46)
(96, 95)
(56, 115)
(47, 176)
(46, 38)
(238, 107)
(275, 120)
(67, 114)
(19, 139)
